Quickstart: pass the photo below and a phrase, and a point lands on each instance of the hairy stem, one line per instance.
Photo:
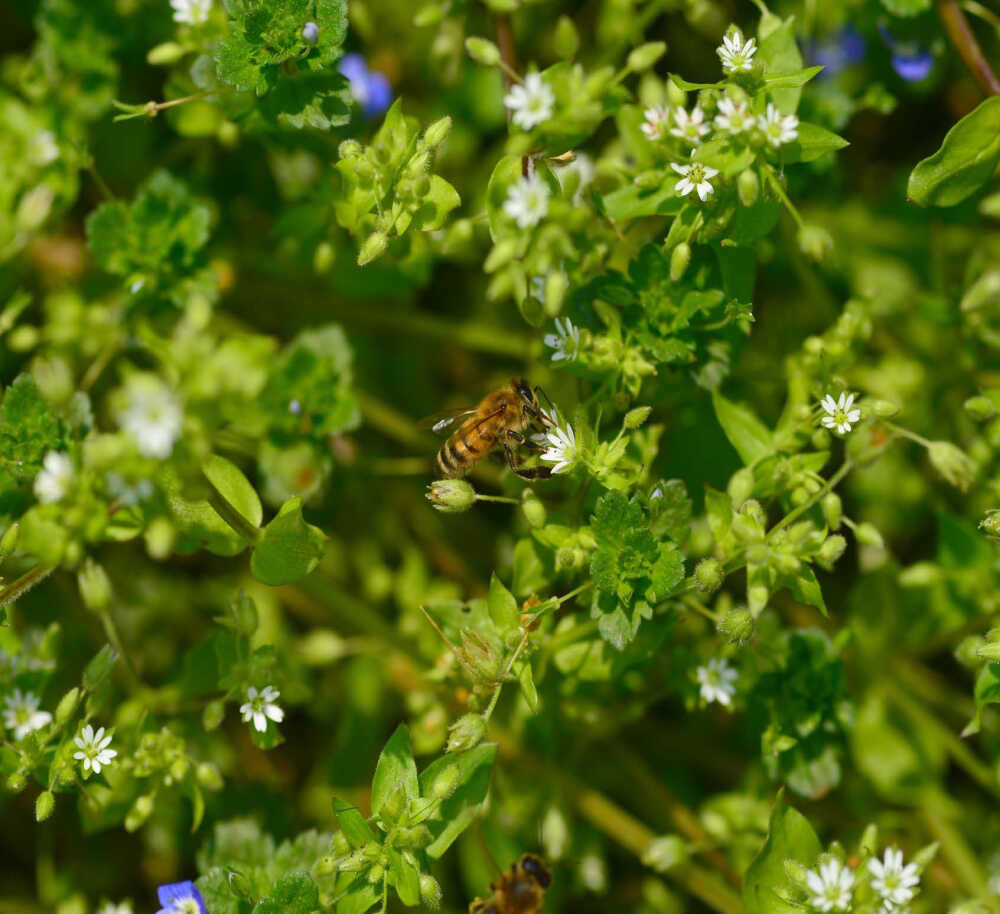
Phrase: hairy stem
(18, 588)
(961, 36)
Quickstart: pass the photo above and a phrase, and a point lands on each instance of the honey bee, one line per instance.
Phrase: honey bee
(521, 891)
(499, 421)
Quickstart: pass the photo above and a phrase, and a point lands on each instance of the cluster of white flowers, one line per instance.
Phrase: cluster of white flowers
(565, 342)
(527, 201)
(839, 413)
(21, 713)
(191, 12)
(831, 884)
(689, 127)
(153, 418)
(260, 706)
(530, 103)
(94, 749)
(716, 680)
(53, 480)
(733, 117)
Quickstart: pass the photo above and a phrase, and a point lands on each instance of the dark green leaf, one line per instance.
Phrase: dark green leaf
(751, 438)
(294, 893)
(28, 429)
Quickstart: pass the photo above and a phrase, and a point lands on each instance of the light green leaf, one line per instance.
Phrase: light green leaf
(906, 8)
(440, 200)
(812, 142)
(751, 438)
(395, 770)
(289, 549)
(503, 607)
(791, 80)
(462, 805)
(294, 893)
(356, 829)
(526, 679)
(406, 878)
(634, 202)
(780, 53)
(234, 487)
(807, 590)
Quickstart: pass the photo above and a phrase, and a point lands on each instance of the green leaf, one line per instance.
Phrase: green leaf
(780, 53)
(308, 99)
(462, 806)
(236, 67)
(435, 205)
(986, 692)
(289, 549)
(199, 522)
(526, 679)
(294, 893)
(807, 590)
(812, 142)
(234, 487)
(789, 837)
(634, 202)
(529, 574)
(406, 878)
(503, 607)
(28, 429)
(99, 668)
(751, 438)
(964, 163)
(395, 770)
(360, 896)
(791, 80)
(907, 8)
(667, 573)
(356, 829)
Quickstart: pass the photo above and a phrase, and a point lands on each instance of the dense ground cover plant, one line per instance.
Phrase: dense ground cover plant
(735, 651)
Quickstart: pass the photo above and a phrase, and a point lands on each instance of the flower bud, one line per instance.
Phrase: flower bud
(451, 495)
(815, 242)
(66, 706)
(141, 810)
(17, 781)
(680, 257)
(482, 51)
(989, 651)
(708, 575)
(325, 866)
(556, 287)
(740, 486)
(881, 409)
(737, 625)
(922, 574)
(44, 805)
(952, 463)
(212, 716)
(980, 408)
(435, 134)
(869, 841)
(430, 891)
(208, 776)
(748, 187)
(466, 733)
(323, 257)
(164, 54)
(832, 549)
(350, 149)
(644, 56)
(245, 614)
(374, 247)
(8, 542)
(566, 39)
(555, 833)
(310, 32)
(393, 805)
(832, 510)
(533, 508)
(353, 862)
(991, 523)
(376, 873)
(757, 596)
(636, 417)
(95, 588)
(665, 852)
(339, 846)
(867, 535)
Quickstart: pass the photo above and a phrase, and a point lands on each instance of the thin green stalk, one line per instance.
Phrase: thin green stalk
(18, 588)
(831, 484)
(961, 858)
(775, 183)
(231, 516)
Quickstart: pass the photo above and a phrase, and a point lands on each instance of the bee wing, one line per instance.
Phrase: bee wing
(446, 422)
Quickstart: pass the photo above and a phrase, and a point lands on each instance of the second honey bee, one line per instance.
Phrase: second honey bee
(498, 422)
(519, 891)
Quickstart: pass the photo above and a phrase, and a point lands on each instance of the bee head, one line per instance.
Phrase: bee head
(536, 869)
(524, 390)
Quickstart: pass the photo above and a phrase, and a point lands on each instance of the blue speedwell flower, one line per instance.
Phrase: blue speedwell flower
(371, 89)
(839, 50)
(180, 898)
(911, 61)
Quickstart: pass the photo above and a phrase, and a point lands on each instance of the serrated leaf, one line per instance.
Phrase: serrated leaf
(289, 548)
(395, 770)
(667, 573)
(751, 438)
(28, 429)
(294, 893)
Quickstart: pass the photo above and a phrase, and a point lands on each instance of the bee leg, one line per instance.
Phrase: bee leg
(521, 441)
(525, 472)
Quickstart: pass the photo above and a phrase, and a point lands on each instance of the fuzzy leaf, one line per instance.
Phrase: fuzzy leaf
(28, 428)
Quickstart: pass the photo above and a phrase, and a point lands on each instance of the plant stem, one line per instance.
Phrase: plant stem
(961, 36)
(23, 584)
(831, 483)
(240, 525)
(954, 848)
(501, 498)
(111, 630)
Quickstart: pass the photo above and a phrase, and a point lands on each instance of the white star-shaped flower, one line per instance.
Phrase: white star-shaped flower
(689, 127)
(191, 12)
(778, 128)
(656, 120)
(565, 342)
(736, 53)
(560, 447)
(839, 414)
(893, 881)
(733, 117)
(54, 478)
(716, 679)
(94, 751)
(530, 103)
(260, 706)
(695, 177)
(154, 419)
(109, 907)
(830, 886)
(21, 713)
(527, 201)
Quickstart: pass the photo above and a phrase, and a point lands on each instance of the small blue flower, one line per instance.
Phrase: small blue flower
(839, 50)
(371, 89)
(911, 61)
(180, 898)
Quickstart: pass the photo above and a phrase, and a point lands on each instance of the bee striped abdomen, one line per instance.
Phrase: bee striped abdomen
(463, 449)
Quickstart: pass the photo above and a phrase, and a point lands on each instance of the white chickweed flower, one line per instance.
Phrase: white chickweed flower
(191, 12)
(154, 419)
(778, 128)
(830, 886)
(109, 907)
(689, 127)
(733, 117)
(21, 713)
(53, 479)
(736, 53)
(695, 177)
(527, 201)
(839, 414)
(260, 706)
(560, 447)
(716, 679)
(893, 881)
(565, 342)
(94, 751)
(656, 122)
(43, 148)
(531, 102)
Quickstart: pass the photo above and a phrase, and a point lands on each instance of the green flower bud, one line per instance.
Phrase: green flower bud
(737, 625)
(748, 187)
(67, 706)
(555, 833)
(708, 575)
(832, 510)
(376, 873)
(212, 716)
(565, 39)
(644, 56)
(881, 409)
(815, 242)
(430, 891)
(451, 495)
(208, 776)
(634, 418)
(245, 614)
(435, 134)
(796, 872)
(466, 733)
(94, 585)
(556, 287)
(164, 54)
(740, 486)
(8, 542)
(339, 846)
(989, 651)
(832, 549)
(869, 841)
(482, 51)
(429, 15)
(952, 463)
(680, 257)
(350, 149)
(17, 781)
(44, 805)
(393, 805)
(757, 596)
(991, 523)
(867, 535)
(353, 862)
(533, 509)
(325, 866)
(665, 852)
(676, 96)
(922, 574)
(323, 257)
(502, 253)
(374, 247)
(419, 837)
(980, 408)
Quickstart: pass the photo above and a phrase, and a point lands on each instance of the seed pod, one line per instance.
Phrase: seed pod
(482, 51)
